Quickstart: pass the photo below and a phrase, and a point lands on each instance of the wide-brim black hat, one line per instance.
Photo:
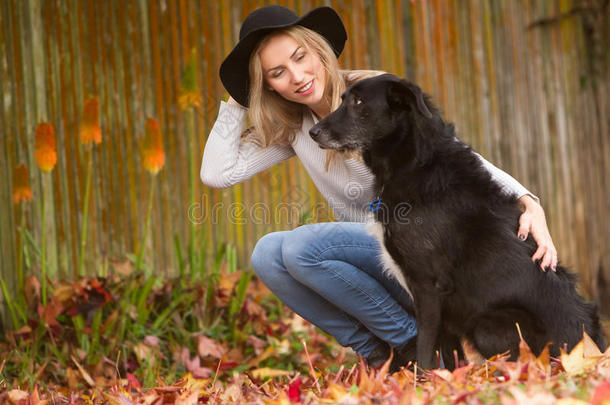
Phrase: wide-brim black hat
(234, 72)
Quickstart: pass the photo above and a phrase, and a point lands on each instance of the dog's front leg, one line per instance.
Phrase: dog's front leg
(428, 315)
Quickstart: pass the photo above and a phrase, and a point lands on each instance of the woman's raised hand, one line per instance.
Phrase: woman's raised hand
(231, 100)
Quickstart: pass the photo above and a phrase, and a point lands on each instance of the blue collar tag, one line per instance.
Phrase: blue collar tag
(375, 204)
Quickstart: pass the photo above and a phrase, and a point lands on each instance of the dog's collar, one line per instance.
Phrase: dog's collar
(376, 203)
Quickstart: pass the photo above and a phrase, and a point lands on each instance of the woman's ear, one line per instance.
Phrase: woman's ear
(266, 85)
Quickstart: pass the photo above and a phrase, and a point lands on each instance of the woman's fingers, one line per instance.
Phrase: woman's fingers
(533, 222)
(539, 254)
(547, 254)
(525, 222)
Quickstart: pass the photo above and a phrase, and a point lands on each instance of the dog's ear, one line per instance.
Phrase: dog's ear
(401, 95)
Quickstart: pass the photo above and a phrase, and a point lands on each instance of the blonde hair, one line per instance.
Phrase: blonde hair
(275, 120)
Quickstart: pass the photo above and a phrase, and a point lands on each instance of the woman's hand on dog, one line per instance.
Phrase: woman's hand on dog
(533, 221)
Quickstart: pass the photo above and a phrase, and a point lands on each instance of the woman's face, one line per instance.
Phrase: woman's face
(293, 72)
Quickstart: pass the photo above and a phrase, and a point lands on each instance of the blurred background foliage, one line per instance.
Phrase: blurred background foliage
(525, 81)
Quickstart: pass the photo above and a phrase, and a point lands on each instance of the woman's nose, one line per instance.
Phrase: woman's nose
(297, 76)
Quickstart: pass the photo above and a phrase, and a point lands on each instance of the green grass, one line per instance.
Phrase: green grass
(99, 334)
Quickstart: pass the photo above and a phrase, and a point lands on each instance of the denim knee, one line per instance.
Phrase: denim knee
(298, 249)
(267, 256)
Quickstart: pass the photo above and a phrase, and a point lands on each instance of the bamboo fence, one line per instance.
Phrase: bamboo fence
(525, 81)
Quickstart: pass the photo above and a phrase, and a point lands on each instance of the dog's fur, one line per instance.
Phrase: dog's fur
(457, 251)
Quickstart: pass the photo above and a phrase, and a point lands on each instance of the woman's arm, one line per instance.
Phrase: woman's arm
(507, 181)
(226, 159)
(532, 220)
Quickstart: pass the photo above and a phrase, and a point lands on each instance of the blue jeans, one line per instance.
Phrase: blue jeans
(330, 274)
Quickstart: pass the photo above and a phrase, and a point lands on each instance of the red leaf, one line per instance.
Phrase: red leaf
(601, 394)
(228, 365)
(294, 390)
(132, 382)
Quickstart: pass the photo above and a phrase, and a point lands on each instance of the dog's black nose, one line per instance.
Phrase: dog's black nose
(314, 132)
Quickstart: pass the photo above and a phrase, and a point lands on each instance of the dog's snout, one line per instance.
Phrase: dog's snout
(315, 131)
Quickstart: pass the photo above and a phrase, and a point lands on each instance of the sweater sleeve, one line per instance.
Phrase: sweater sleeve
(228, 161)
(506, 181)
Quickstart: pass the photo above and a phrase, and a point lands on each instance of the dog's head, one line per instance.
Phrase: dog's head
(372, 110)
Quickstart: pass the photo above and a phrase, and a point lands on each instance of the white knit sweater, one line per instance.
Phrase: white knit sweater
(347, 186)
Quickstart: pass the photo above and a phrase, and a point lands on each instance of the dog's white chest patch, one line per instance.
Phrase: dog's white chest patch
(390, 267)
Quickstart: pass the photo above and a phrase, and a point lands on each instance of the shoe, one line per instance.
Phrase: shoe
(403, 355)
(379, 355)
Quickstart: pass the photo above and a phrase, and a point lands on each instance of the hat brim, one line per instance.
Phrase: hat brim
(234, 70)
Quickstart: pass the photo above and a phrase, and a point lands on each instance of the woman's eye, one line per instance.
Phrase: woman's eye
(277, 73)
(301, 56)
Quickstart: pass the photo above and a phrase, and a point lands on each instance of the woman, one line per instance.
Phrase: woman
(284, 75)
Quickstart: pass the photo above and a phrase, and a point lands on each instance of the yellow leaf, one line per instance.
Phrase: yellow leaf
(264, 355)
(582, 357)
(143, 353)
(297, 324)
(525, 353)
(83, 372)
(591, 349)
(190, 383)
(281, 346)
(187, 398)
(17, 395)
(571, 401)
(365, 385)
(232, 395)
(64, 292)
(282, 400)
(385, 368)
(269, 372)
(120, 398)
(337, 392)
(544, 360)
(443, 373)
(34, 398)
(72, 378)
(24, 330)
(228, 281)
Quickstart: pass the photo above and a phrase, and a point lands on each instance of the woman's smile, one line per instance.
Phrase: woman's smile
(307, 89)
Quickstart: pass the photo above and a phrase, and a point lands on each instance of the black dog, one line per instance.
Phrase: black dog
(458, 253)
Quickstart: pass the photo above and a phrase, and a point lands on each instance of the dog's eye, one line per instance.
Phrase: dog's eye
(357, 100)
